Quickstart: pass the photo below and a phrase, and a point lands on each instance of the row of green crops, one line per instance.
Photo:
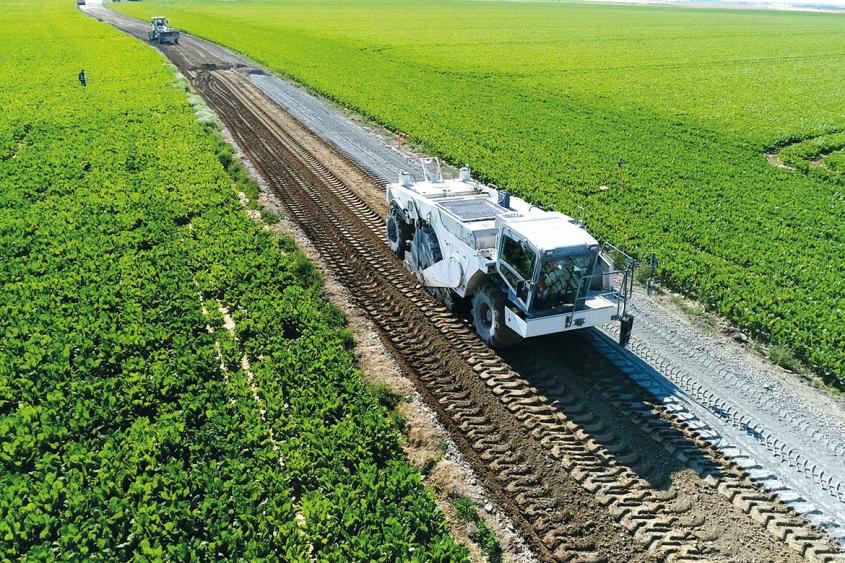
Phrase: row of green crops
(121, 436)
(544, 97)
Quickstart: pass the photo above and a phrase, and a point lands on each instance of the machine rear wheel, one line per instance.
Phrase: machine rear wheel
(398, 233)
(488, 317)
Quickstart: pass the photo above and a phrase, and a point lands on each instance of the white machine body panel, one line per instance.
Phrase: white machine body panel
(599, 310)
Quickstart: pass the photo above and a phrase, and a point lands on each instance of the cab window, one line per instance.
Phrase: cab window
(519, 257)
(561, 281)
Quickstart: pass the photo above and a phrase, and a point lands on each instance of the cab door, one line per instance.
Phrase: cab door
(516, 264)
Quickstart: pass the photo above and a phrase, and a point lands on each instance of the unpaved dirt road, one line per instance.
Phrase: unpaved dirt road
(585, 463)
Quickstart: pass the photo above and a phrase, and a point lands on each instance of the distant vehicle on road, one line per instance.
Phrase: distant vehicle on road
(162, 33)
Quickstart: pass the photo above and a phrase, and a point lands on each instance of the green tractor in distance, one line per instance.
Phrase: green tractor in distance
(161, 32)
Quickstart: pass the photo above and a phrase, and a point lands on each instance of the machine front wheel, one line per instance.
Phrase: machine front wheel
(398, 233)
(488, 317)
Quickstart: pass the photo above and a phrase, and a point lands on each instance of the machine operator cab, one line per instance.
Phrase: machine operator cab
(558, 277)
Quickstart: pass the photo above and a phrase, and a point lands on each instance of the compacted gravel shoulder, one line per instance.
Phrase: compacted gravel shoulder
(790, 435)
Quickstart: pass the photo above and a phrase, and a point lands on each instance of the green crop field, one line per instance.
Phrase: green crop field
(129, 429)
(545, 97)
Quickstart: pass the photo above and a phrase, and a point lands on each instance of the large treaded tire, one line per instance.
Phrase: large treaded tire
(488, 317)
(398, 233)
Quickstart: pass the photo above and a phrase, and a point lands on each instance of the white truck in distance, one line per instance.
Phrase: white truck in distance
(527, 272)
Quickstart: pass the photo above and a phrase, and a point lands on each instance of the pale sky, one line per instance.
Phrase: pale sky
(835, 5)
(838, 4)
(817, 2)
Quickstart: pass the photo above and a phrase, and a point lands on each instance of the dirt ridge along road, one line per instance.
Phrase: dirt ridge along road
(517, 436)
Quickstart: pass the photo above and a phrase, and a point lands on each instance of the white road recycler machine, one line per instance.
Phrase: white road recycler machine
(526, 271)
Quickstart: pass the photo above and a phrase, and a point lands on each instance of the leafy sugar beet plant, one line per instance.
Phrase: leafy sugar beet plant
(543, 98)
(121, 437)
